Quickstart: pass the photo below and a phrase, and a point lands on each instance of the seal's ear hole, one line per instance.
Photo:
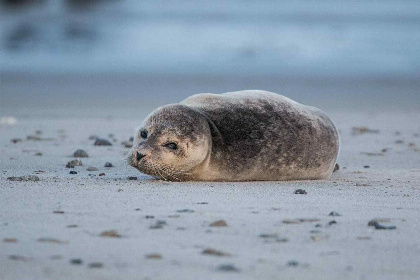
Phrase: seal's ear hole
(171, 146)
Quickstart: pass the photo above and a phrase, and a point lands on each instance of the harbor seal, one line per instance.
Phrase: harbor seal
(248, 135)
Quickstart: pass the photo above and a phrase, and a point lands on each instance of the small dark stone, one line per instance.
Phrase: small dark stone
(293, 263)
(132, 178)
(300, 191)
(73, 172)
(336, 167)
(76, 261)
(202, 203)
(366, 166)
(149, 217)
(80, 154)
(38, 154)
(96, 265)
(16, 140)
(108, 164)
(137, 209)
(185, 211)
(332, 222)
(18, 258)
(227, 268)
(158, 224)
(377, 225)
(334, 214)
(101, 174)
(58, 212)
(102, 142)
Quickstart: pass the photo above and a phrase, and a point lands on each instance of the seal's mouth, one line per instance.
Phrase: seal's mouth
(159, 171)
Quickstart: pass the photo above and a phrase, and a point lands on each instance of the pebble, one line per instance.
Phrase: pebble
(38, 154)
(58, 212)
(336, 167)
(185, 211)
(153, 256)
(110, 233)
(51, 240)
(132, 178)
(127, 144)
(293, 263)
(76, 261)
(73, 172)
(73, 163)
(213, 252)
(80, 154)
(332, 222)
(298, 221)
(158, 224)
(268, 235)
(149, 217)
(102, 142)
(227, 268)
(18, 258)
(366, 166)
(96, 265)
(10, 240)
(108, 164)
(219, 223)
(24, 178)
(91, 168)
(101, 174)
(375, 223)
(15, 140)
(300, 191)
(362, 129)
(334, 214)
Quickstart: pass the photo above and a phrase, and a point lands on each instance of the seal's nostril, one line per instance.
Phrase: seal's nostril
(139, 156)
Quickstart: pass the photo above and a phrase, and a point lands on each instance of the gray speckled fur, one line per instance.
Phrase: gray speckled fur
(257, 135)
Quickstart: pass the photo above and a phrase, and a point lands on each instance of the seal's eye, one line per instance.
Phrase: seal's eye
(171, 146)
(143, 134)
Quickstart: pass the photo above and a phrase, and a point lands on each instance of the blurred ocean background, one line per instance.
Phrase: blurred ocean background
(61, 54)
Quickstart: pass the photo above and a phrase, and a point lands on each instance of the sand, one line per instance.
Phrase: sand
(54, 228)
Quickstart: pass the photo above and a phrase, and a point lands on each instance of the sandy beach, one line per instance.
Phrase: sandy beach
(109, 226)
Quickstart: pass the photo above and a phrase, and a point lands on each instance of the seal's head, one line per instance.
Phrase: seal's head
(172, 143)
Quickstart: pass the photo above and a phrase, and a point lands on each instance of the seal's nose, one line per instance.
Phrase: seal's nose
(139, 156)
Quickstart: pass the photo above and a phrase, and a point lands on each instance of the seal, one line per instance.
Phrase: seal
(248, 135)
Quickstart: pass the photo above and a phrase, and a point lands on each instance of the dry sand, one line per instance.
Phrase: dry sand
(159, 229)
